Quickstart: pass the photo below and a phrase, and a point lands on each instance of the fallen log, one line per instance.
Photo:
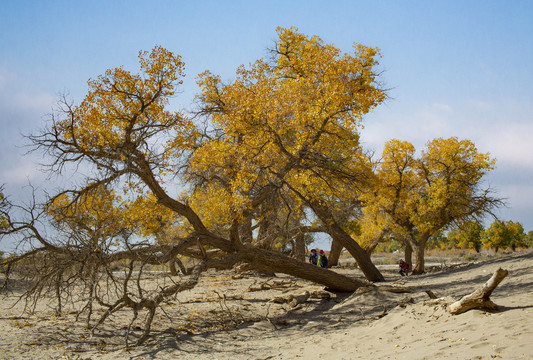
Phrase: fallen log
(479, 299)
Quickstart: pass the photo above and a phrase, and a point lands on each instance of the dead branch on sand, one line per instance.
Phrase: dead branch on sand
(479, 299)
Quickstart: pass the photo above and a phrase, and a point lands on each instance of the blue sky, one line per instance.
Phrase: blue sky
(455, 68)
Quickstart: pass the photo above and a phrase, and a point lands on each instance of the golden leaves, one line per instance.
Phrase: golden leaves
(106, 214)
(427, 193)
(122, 108)
(296, 118)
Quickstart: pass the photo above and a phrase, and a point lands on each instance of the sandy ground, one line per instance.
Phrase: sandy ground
(229, 317)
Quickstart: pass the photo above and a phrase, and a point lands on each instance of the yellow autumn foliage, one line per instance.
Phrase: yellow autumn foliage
(292, 121)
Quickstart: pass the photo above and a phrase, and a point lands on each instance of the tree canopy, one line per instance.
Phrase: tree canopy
(416, 198)
(267, 158)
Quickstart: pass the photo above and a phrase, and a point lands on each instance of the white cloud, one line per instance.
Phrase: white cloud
(21, 99)
(416, 125)
(503, 129)
(22, 108)
(510, 144)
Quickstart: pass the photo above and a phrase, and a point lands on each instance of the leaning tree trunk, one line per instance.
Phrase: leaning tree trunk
(363, 260)
(335, 253)
(265, 259)
(338, 234)
(273, 261)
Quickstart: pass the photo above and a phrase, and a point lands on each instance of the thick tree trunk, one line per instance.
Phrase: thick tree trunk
(479, 299)
(335, 253)
(264, 240)
(275, 262)
(408, 254)
(299, 247)
(419, 248)
(359, 254)
(338, 234)
(363, 260)
(246, 231)
(418, 265)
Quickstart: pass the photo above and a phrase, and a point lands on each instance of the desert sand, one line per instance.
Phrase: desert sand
(231, 316)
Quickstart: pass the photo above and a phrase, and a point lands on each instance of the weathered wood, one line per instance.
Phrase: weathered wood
(292, 300)
(479, 299)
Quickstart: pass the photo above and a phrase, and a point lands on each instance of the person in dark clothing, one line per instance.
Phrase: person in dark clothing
(322, 259)
(404, 268)
(313, 257)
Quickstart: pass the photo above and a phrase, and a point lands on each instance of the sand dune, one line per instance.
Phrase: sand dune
(377, 324)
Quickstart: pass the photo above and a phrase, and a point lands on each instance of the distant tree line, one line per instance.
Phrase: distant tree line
(499, 235)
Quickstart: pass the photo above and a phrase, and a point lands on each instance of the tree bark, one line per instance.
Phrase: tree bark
(173, 269)
(273, 261)
(419, 265)
(338, 234)
(479, 299)
(408, 254)
(419, 248)
(299, 247)
(335, 253)
(246, 230)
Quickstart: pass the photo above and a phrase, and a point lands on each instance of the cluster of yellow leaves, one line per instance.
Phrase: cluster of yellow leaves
(292, 122)
(122, 108)
(451, 170)
(105, 214)
(469, 235)
(502, 234)
(212, 204)
(426, 193)
(295, 119)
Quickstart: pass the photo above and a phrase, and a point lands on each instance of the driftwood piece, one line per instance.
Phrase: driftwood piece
(320, 294)
(292, 300)
(395, 289)
(271, 284)
(479, 299)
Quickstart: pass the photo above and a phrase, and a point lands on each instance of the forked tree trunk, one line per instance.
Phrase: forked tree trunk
(479, 299)
(335, 253)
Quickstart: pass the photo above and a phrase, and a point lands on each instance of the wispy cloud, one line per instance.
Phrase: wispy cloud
(22, 99)
(22, 108)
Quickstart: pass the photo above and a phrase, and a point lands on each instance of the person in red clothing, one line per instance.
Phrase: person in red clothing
(404, 268)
